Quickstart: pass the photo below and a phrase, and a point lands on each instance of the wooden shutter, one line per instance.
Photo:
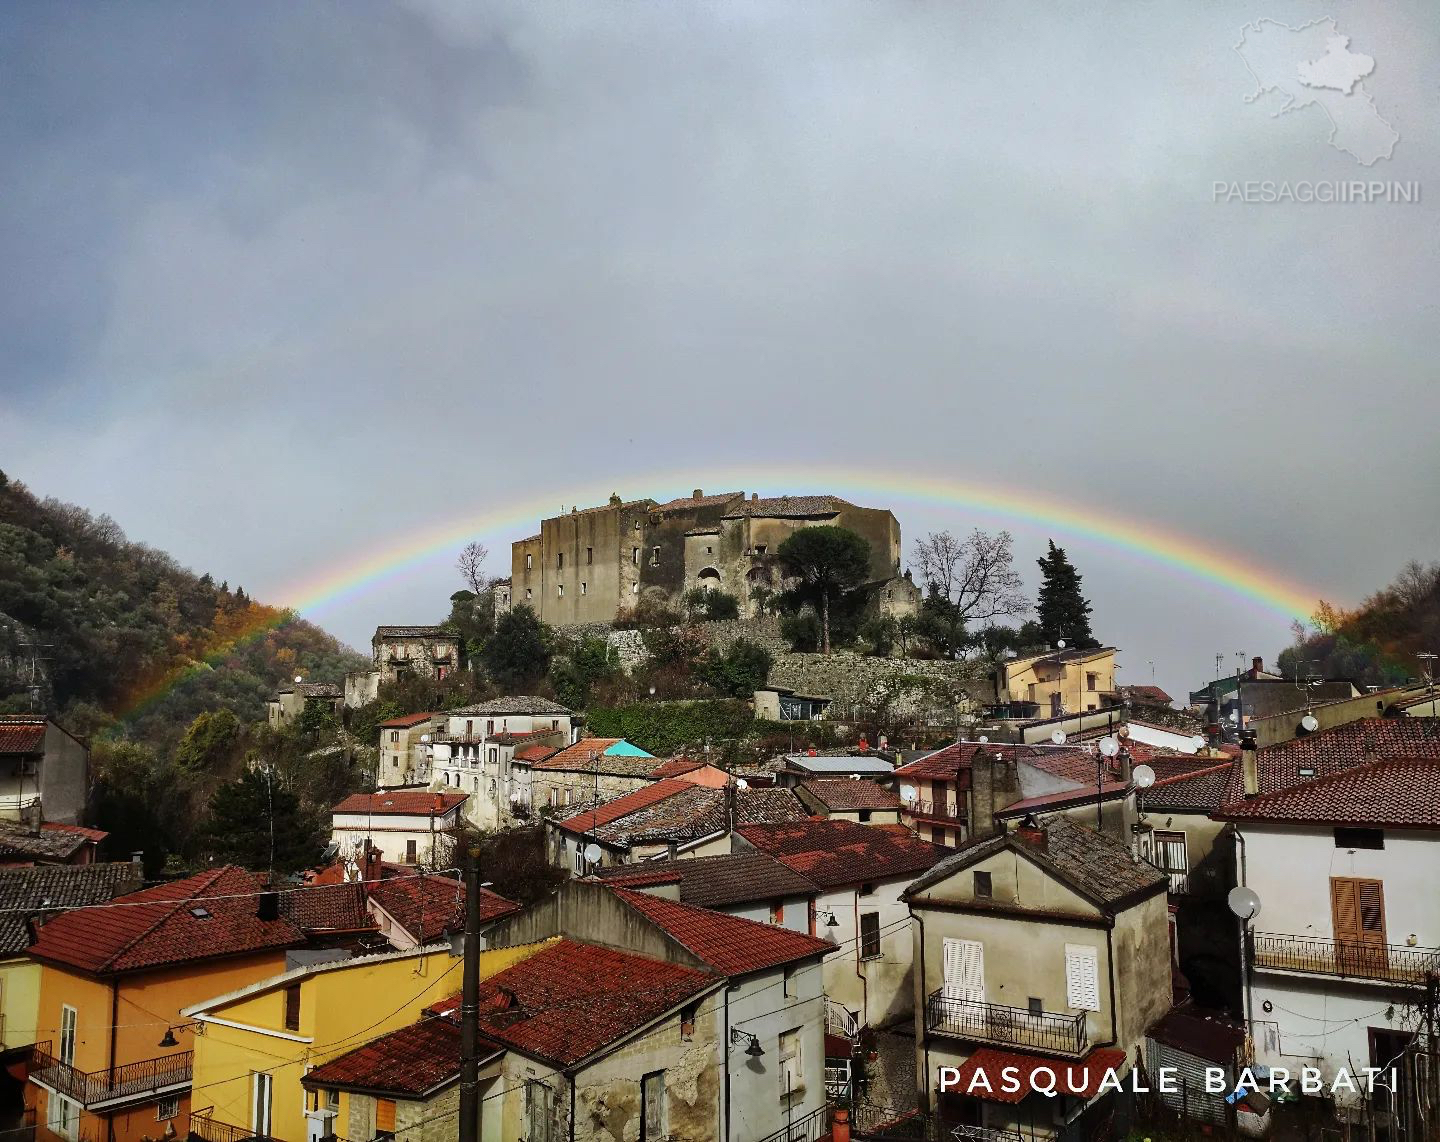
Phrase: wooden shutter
(1082, 977)
(1357, 909)
(384, 1116)
(292, 1007)
(964, 965)
(1371, 897)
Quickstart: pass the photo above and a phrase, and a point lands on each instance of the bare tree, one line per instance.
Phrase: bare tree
(471, 565)
(976, 574)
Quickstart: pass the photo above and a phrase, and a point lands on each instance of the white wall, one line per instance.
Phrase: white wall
(761, 1007)
(876, 989)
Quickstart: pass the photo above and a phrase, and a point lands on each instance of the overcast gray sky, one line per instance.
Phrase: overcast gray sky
(287, 282)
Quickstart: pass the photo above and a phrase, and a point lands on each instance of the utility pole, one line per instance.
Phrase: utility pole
(470, 1003)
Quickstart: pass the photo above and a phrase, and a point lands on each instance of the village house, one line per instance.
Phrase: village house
(861, 871)
(31, 896)
(1339, 838)
(593, 565)
(850, 799)
(114, 979)
(23, 844)
(256, 1042)
(401, 652)
(44, 771)
(1232, 703)
(404, 751)
(1043, 947)
(1055, 683)
(755, 1065)
(751, 885)
(598, 769)
(408, 826)
(796, 768)
(412, 911)
(286, 706)
(473, 749)
(667, 818)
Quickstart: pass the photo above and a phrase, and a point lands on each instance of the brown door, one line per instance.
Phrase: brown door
(1357, 909)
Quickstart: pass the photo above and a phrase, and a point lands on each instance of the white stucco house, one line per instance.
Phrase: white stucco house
(408, 826)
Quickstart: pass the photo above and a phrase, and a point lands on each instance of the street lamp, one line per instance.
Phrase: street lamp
(1245, 904)
(754, 1050)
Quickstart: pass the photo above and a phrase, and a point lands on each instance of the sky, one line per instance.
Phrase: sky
(289, 284)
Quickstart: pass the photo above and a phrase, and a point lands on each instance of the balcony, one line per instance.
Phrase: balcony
(1010, 1026)
(985, 1134)
(1310, 955)
(810, 1128)
(96, 1090)
(936, 811)
(204, 1128)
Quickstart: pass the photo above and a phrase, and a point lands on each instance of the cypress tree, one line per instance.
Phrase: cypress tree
(1063, 611)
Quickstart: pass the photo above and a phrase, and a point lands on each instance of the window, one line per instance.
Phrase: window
(759, 549)
(332, 1100)
(560, 561)
(867, 890)
(1082, 977)
(983, 886)
(634, 588)
(529, 594)
(580, 866)
(200, 912)
(687, 1021)
(410, 851)
(652, 1094)
(777, 911)
(963, 962)
(584, 588)
(384, 1117)
(1359, 838)
(539, 1112)
(788, 988)
(1092, 680)
(292, 1007)
(654, 557)
(167, 1108)
(589, 555)
(635, 555)
(67, 1035)
(529, 562)
(792, 1071)
(1037, 1005)
(869, 935)
(864, 815)
(394, 735)
(709, 551)
(559, 590)
(64, 1117)
(261, 1091)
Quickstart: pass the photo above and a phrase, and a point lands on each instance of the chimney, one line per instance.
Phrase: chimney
(754, 496)
(1249, 765)
(137, 858)
(1031, 832)
(699, 494)
(370, 864)
(1257, 666)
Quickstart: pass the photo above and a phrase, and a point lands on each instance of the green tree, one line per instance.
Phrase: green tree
(831, 564)
(255, 821)
(707, 604)
(519, 650)
(138, 800)
(1063, 611)
(739, 671)
(572, 674)
(210, 743)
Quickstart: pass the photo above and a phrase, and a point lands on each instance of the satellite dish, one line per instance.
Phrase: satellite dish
(1058, 737)
(299, 678)
(424, 737)
(1244, 902)
(907, 794)
(984, 738)
(854, 777)
(331, 850)
(1109, 746)
(1310, 723)
(1059, 644)
(593, 854)
(1143, 776)
(741, 784)
(1198, 742)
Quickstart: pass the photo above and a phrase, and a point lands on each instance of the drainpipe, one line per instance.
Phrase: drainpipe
(864, 982)
(924, 1011)
(725, 1040)
(1247, 991)
(571, 1077)
(1110, 966)
(114, 1024)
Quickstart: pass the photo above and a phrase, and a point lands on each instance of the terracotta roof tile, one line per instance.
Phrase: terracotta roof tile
(403, 802)
(685, 812)
(840, 793)
(405, 721)
(22, 736)
(53, 844)
(200, 917)
(514, 704)
(716, 881)
(592, 819)
(835, 853)
(730, 945)
(38, 890)
(533, 753)
(429, 907)
(328, 908)
(1401, 793)
(407, 1063)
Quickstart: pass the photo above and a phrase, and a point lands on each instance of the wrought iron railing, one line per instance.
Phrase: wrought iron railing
(985, 1134)
(840, 1020)
(999, 1023)
(942, 810)
(22, 1131)
(1315, 956)
(204, 1128)
(810, 1128)
(869, 1120)
(129, 1080)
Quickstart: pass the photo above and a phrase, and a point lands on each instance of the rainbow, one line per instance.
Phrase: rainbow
(354, 575)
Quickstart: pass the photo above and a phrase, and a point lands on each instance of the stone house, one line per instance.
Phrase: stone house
(289, 702)
(1043, 947)
(850, 799)
(752, 885)
(404, 751)
(44, 771)
(594, 770)
(429, 651)
(1056, 683)
(861, 872)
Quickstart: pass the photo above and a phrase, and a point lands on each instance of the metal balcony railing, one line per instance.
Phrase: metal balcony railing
(204, 1128)
(999, 1023)
(130, 1080)
(1311, 955)
(941, 810)
(810, 1128)
(840, 1020)
(985, 1134)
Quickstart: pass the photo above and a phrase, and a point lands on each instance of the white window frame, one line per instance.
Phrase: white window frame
(167, 1108)
(69, 1019)
(791, 1051)
(262, 1102)
(1082, 977)
(63, 1116)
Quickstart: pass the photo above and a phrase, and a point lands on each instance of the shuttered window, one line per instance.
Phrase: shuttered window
(384, 1116)
(1357, 909)
(964, 966)
(292, 1007)
(869, 935)
(1082, 977)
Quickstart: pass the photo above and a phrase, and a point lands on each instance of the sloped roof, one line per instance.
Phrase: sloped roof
(414, 632)
(21, 733)
(41, 890)
(511, 704)
(1398, 793)
(571, 999)
(834, 853)
(715, 881)
(429, 907)
(1083, 1078)
(1147, 694)
(679, 810)
(610, 756)
(788, 507)
(679, 503)
(202, 917)
(405, 721)
(1064, 799)
(409, 1063)
(600, 815)
(400, 802)
(840, 794)
(534, 753)
(328, 908)
(1199, 790)
(54, 842)
(730, 945)
(1098, 868)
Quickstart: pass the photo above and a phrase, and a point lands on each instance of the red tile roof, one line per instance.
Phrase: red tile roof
(429, 907)
(840, 794)
(1064, 799)
(159, 926)
(987, 1065)
(1400, 793)
(408, 1063)
(535, 752)
(22, 735)
(1182, 788)
(405, 802)
(731, 945)
(624, 806)
(943, 764)
(96, 835)
(677, 766)
(328, 908)
(405, 721)
(715, 881)
(1151, 695)
(835, 853)
(570, 999)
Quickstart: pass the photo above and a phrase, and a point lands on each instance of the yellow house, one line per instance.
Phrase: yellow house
(255, 1044)
(1058, 682)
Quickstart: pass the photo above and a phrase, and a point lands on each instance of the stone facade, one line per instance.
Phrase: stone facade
(425, 650)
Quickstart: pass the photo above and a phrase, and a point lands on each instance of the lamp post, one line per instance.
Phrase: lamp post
(1245, 904)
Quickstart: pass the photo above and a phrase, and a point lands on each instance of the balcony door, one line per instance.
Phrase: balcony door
(1357, 911)
(964, 963)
